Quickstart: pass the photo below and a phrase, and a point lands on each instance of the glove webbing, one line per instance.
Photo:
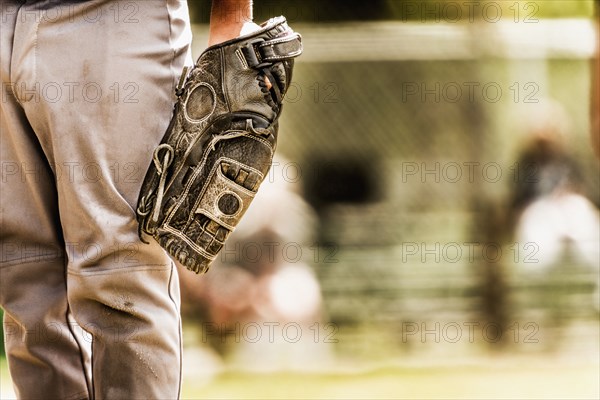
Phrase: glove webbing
(260, 53)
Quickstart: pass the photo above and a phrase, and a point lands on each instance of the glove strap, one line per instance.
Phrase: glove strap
(260, 53)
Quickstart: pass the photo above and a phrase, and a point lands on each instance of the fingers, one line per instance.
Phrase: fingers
(268, 83)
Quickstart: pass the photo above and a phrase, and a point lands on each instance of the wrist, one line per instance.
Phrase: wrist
(222, 32)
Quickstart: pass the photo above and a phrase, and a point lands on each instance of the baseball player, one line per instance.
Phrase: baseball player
(88, 87)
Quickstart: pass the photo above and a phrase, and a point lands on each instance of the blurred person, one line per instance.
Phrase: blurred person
(595, 90)
(87, 93)
(549, 209)
(260, 285)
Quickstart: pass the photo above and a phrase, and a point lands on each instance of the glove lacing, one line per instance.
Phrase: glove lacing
(167, 160)
(143, 208)
(161, 169)
(232, 134)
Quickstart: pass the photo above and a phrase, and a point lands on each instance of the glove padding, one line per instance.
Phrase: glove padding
(219, 145)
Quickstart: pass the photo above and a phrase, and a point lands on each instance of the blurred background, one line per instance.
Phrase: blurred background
(430, 227)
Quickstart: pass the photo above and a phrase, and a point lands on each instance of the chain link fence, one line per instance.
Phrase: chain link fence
(407, 139)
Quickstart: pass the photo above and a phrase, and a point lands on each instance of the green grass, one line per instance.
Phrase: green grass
(503, 378)
(457, 382)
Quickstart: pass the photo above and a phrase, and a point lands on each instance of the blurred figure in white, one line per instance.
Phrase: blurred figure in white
(552, 213)
(261, 300)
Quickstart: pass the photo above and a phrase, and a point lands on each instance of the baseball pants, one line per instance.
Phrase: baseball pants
(87, 93)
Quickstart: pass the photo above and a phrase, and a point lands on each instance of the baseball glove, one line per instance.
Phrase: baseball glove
(219, 145)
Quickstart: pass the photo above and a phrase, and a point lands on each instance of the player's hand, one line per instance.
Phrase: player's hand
(227, 32)
(223, 32)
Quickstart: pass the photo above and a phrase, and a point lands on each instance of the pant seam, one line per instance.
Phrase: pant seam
(35, 55)
(173, 50)
(178, 331)
(83, 369)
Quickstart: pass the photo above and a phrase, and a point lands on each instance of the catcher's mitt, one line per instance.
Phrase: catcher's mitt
(219, 145)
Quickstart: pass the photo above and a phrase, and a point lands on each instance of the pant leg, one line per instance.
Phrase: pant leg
(44, 357)
(105, 72)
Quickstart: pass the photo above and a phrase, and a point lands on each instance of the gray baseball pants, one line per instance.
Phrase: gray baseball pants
(87, 93)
